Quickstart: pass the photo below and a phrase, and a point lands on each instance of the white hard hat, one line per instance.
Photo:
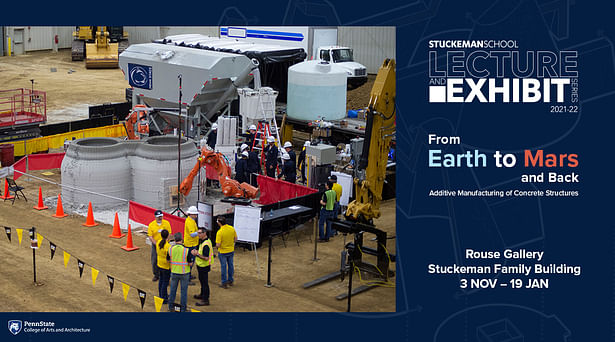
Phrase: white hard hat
(285, 156)
(288, 144)
(243, 146)
(192, 211)
(245, 154)
(270, 139)
(214, 126)
(307, 143)
(252, 127)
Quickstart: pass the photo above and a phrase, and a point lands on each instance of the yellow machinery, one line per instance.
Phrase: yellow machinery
(82, 35)
(371, 169)
(370, 172)
(101, 53)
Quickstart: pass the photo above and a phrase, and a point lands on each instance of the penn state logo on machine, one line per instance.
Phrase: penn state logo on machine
(140, 76)
(15, 326)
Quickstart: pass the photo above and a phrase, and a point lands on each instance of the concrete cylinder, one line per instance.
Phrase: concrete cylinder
(155, 170)
(144, 171)
(99, 165)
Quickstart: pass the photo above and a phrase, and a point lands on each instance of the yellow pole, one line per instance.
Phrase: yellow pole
(9, 46)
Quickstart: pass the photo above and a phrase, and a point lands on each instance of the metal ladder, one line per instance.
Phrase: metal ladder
(268, 109)
(265, 130)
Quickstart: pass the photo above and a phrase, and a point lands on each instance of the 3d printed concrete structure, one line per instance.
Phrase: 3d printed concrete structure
(141, 170)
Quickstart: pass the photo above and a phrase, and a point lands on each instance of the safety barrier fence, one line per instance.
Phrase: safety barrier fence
(42, 144)
(276, 190)
(143, 214)
(36, 243)
(37, 162)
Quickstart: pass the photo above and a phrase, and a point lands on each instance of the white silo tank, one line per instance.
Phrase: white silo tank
(316, 90)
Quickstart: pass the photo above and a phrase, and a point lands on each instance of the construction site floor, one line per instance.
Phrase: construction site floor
(64, 290)
(70, 87)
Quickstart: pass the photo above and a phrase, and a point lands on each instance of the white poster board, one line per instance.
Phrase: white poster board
(345, 180)
(204, 219)
(247, 223)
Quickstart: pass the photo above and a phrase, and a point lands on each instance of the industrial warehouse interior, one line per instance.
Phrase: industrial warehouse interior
(287, 134)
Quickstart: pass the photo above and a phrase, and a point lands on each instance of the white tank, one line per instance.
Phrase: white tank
(316, 90)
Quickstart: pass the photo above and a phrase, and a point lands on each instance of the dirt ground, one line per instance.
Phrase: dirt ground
(68, 95)
(358, 98)
(63, 290)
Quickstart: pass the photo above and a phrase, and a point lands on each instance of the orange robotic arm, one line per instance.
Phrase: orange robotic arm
(230, 187)
(132, 119)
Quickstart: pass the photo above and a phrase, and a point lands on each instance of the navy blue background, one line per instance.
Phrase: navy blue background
(572, 230)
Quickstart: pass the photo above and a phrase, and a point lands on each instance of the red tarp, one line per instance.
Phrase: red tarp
(275, 190)
(45, 161)
(38, 162)
(145, 215)
(19, 166)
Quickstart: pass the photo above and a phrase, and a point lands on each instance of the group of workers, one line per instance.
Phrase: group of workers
(173, 257)
(249, 163)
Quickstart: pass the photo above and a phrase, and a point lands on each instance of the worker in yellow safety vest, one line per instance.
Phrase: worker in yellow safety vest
(164, 267)
(181, 261)
(326, 212)
(338, 194)
(203, 258)
(191, 238)
(153, 235)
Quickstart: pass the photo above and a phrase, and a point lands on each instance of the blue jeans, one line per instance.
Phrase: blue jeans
(191, 257)
(154, 260)
(163, 283)
(325, 217)
(226, 259)
(336, 213)
(184, 279)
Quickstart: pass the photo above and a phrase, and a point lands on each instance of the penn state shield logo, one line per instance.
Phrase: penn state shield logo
(15, 326)
(140, 76)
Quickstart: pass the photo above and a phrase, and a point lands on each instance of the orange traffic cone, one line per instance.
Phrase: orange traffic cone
(6, 195)
(89, 222)
(129, 246)
(41, 205)
(59, 209)
(117, 233)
